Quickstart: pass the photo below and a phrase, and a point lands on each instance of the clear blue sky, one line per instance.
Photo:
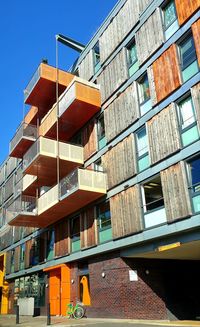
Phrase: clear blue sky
(28, 30)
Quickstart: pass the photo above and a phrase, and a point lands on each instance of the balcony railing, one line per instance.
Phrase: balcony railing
(23, 205)
(32, 83)
(24, 132)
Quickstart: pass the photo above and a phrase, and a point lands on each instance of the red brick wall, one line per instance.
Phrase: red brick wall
(115, 296)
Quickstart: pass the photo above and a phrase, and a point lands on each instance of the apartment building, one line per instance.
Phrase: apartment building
(100, 194)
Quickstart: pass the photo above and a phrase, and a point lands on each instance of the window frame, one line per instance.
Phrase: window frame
(99, 139)
(192, 186)
(141, 89)
(139, 157)
(96, 62)
(144, 203)
(167, 4)
(98, 216)
(130, 45)
(183, 40)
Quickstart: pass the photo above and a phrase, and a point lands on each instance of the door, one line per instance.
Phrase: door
(55, 292)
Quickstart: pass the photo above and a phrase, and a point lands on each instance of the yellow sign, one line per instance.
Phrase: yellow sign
(168, 246)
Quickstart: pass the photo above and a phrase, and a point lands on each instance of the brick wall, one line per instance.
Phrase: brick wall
(115, 296)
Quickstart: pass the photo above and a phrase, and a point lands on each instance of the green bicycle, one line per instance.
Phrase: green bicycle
(77, 311)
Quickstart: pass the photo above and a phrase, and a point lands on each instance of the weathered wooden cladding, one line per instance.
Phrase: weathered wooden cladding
(126, 212)
(152, 88)
(28, 251)
(149, 37)
(119, 27)
(90, 139)
(163, 134)
(86, 67)
(114, 75)
(185, 9)
(195, 92)
(166, 71)
(122, 112)
(175, 192)
(8, 262)
(62, 238)
(88, 228)
(16, 258)
(17, 233)
(143, 4)
(196, 36)
(119, 162)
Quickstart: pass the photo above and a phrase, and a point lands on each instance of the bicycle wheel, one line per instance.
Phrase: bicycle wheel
(78, 312)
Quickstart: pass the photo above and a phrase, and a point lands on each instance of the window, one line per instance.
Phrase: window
(22, 256)
(170, 19)
(101, 132)
(75, 234)
(144, 94)
(142, 149)
(133, 64)
(187, 121)
(50, 244)
(35, 252)
(104, 222)
(97, 63)
(98, 165)
(153, 202)
(77, 139)
(188, 58)
(194, 182)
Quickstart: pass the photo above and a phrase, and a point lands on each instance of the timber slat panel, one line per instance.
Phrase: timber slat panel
(196, 36)
(185, 9)
(163, 134)
(126, 213)
(86, 67)
(122, 112)
(149, 37)
(8, 262)
(61, 239)
(175, 192)
(16, 258)
(89, 140)
(195, 92)
(143, 4)
(152, 85)
(166, 71)
(28, 248)
(114, 75)
(119, 162)
(88, 229)
(119, 27)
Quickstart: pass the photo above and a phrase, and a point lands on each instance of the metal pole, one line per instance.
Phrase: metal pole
(48, 315)
(17, 314)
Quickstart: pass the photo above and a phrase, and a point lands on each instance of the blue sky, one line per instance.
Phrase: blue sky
(28, 30)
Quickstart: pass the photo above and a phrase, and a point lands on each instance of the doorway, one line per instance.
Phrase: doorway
(55, 292)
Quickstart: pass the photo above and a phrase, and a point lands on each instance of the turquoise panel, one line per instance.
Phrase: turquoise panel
(196, 203)
(102, 142)
(105, 235)
(145, 107)
(190, 71)
(76, 245)
(133, 68)
(97, 67)
(143, 163)
(190, 135)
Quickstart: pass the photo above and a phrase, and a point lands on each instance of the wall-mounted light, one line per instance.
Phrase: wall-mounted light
(72, 281)
(147, 272)
(103, 274)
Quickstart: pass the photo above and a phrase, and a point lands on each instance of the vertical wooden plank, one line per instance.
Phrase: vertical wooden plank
(28, 246)
(88, 228)
(86, 67)
(185, 9)
(152, 85)
(166, 72)
(8, 262)
(195, 92)
(163, 128)
(90, 139)
(175, 192)
(196, 35)
(16, 258)
(126, 212)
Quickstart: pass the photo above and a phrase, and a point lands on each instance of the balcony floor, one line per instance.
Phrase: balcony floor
(21, 147)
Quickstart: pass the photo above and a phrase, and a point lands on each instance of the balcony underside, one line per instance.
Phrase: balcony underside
(22, 146)
(30, 190)
(45, 168)
(63, 208)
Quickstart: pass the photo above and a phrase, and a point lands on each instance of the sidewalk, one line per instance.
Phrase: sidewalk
(26, 321)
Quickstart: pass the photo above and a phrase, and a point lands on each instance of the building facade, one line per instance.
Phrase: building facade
(100, 194)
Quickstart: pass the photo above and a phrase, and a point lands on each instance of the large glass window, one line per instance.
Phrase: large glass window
(75, 234)
(104, 222)
(35, 252)
(144, 94)
(153, 202)
(187, 121)
(50, 244)
(188, 58)
(194, 182)
(170, 20)
(101, 132)
(142, 149)
(133, 64)
(96, 52)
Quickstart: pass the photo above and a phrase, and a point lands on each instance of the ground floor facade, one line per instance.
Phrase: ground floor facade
(112, 286)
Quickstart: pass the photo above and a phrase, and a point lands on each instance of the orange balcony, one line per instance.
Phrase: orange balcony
(24, 137)
(41, 160)
(41, 90)
(31, 116)
(74, 192)
(76, 106)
